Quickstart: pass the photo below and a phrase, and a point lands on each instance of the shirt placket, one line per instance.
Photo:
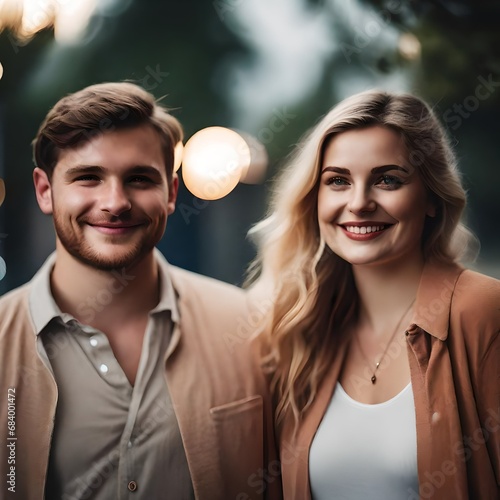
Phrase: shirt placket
(129, 481)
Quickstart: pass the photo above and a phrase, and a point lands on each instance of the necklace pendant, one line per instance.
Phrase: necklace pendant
(374, 379)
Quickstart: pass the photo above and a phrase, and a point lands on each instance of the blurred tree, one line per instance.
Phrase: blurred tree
(187, 51)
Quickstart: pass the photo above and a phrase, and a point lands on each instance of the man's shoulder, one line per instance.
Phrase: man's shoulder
(14, 299)
(188, 281)
(14, 311)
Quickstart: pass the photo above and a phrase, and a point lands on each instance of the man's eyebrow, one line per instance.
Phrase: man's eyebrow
(84, 169)
(144, 169)
(97, 169)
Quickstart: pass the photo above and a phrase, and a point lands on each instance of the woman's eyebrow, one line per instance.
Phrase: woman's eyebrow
(337, 170)
(386, 168)
(376, 170)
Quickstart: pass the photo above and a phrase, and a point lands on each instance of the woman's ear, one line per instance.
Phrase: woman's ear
(432, 203)
(431, 210)
(43, 190)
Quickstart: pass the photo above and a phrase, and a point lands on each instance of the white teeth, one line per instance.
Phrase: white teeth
(363, 229)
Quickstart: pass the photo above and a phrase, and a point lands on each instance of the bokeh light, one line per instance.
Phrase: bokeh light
(255, 172)
(409, 46)
(178, 152)
(3, 269)
(213, 162)
(2, 191)
(25, 18)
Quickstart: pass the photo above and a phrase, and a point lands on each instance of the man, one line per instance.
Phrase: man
(116, 366)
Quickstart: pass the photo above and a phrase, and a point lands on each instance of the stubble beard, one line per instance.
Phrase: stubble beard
(76, 245)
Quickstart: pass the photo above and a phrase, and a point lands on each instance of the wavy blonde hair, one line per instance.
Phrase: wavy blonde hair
(313, 293)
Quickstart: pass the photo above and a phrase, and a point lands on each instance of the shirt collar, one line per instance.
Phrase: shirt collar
(168, 301)
(434, 296)
(43, 307)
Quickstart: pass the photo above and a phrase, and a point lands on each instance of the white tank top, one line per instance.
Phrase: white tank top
(363, 451)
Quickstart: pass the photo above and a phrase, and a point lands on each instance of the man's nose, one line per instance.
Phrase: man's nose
(115, 199)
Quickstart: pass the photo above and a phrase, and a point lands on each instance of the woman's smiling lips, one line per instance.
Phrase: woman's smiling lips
(363, 231)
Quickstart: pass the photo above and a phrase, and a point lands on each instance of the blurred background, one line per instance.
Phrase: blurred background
(270, 68)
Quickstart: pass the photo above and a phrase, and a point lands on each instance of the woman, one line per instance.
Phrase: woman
(383, 350)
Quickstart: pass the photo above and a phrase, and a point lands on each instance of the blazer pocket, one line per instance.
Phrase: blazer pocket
(239, 430)
(236, 407)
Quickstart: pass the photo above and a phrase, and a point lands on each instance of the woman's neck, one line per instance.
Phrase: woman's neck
(386, 292)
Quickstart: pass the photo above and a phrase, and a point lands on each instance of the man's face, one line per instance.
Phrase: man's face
(109, 197)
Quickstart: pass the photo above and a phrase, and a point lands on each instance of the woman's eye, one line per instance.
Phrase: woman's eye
(336, 181)
(390, 181)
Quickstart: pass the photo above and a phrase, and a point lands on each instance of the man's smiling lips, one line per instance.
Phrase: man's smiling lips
(111, 228)
(363, 231)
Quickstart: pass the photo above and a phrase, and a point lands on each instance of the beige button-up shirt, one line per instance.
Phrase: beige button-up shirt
(111, 440)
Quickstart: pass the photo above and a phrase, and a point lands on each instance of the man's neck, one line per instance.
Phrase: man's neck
(105, 298)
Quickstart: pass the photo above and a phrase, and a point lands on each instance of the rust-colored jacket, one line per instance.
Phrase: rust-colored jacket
(454, 353)
(218, 393)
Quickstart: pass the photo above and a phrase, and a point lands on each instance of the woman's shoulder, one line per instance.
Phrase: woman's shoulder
(475, 308)
(477, 291)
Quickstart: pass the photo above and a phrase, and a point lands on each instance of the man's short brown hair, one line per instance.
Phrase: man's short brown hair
(80, 117)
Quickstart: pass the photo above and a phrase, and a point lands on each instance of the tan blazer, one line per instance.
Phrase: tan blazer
(453, 347)
(219, 396)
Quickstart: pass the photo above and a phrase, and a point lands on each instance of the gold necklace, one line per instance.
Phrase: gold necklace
(377, 365)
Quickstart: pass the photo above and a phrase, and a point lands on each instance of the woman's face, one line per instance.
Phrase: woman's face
(372, 203)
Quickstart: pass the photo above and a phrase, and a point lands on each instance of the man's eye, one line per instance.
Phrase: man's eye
(140, 179)
(87, 178)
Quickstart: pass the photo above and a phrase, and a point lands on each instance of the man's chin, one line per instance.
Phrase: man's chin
(105, 262)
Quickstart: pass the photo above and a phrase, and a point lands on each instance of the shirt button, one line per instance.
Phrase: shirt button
(93, 341)
(132, 486)
(104, 368)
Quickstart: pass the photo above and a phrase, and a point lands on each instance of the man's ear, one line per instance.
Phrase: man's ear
(172, 193)
(43, 190)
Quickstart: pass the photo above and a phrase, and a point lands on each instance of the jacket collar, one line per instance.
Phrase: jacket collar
(434, 296)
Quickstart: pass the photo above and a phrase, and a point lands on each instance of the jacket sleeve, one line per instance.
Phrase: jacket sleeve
(482, 333)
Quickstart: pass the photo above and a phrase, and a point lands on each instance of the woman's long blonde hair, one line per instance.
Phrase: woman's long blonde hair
(312, 290)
